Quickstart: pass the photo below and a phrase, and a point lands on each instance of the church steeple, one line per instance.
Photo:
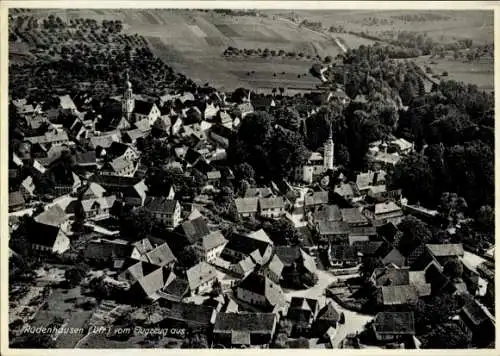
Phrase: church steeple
(328, 150)
(128, 101)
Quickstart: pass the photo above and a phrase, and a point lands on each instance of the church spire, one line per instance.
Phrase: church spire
(128, 101)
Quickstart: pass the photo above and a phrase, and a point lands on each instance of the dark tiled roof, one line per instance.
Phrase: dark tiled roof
(353, 216)
(245, 244)
(328, 312)
(395, 323)
(42, 234)
(316, 199)
(391, 276)
(388, 231)
(16, 198)
(264, 286)
(250, 322)
(142, 107)
(160, 256)
(333, 227)
(446, 250)
(369, 248)
(342, 252)
(399, 295)
(328, 213)
(195, 229)
(178, 287)
(200, 314)
(160, 204)
(85, 158)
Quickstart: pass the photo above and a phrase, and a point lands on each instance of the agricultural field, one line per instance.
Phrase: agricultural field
(193, 42)
(478, 72)
(443, 26)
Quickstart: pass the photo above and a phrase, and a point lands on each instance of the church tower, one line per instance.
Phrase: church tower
(128, 100)
(328, 151)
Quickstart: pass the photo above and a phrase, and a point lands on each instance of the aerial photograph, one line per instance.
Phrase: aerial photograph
(250, 179)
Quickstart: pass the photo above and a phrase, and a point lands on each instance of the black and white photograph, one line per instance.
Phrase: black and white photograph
(305, 177)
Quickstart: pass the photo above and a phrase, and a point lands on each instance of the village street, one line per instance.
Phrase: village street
(354, 322)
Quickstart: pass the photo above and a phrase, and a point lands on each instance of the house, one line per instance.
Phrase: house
(259, 291)
(327, 317)
(367, 180)
(445, 252)
(107, 252)
(175, 290)
(160, 255)
(193, 230)
(370, 248)
(131, 136)
(211, 246)
(53, 216)
(55, 137)
(243, 268)
(334, 232)
(383, 213)
(390, 276)
(313, 168)
(16, 201)
(315, 201)
(244, 329)
(144, 110)
(86, 160)
(149, 280)
(120, 166)
(240, 246)
(246, 207)
(98, 208)
(92, 191)
(66, 104)
(201, 277)
(27, 188)
(354, 217)
(342, 256)
(221, 135)
(213, 178)
(400, 146)
(327, 213)
(48, 239)
(117, 149)
(262, 102)
(348, 191)
(271, 207)
(187, 316)
(478, 323)
(164, 210)
(295, 261)
(136, 194)
(302, 313)
(104, 139)
(397, 296)
(394, 326)
(254, 192)
(273, 269)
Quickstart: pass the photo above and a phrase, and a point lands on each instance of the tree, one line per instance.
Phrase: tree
(446, 336)
(281, 231)
(244, 171)
(414, 176)
(74, 275)
(189, 257)
(454, 269)
(195, 339)
(452, 208)
(415, 232)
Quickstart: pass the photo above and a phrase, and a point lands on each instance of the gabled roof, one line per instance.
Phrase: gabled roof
(258, 192)
(342, 252)
(353, 216)
(16, 198)
(446, 250)
(263, 286)
(401, 323)
(328, 312)
(142, 107)
(328, 213)
(160, 256)
(42, 234)
(199, 274)
(143, 245)
(194, 230)
(332, 227)
(212, 240)
(391, 276)
(369, 248)
(65, 102)
(85, 158)
(53, 216)
(399, 295)
(246, 205)
(119, 163)
(154, 281)
(191, 313)
(387, 207)
(317, 198)
(245, 244)
(261, 235)
(275, 265)
(160, 204)
(177, 287)
(272, 203)
(248, 322)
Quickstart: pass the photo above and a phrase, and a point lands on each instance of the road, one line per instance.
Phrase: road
(354, 322)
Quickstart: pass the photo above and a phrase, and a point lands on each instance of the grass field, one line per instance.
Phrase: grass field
(445, 27)
(479, 72)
